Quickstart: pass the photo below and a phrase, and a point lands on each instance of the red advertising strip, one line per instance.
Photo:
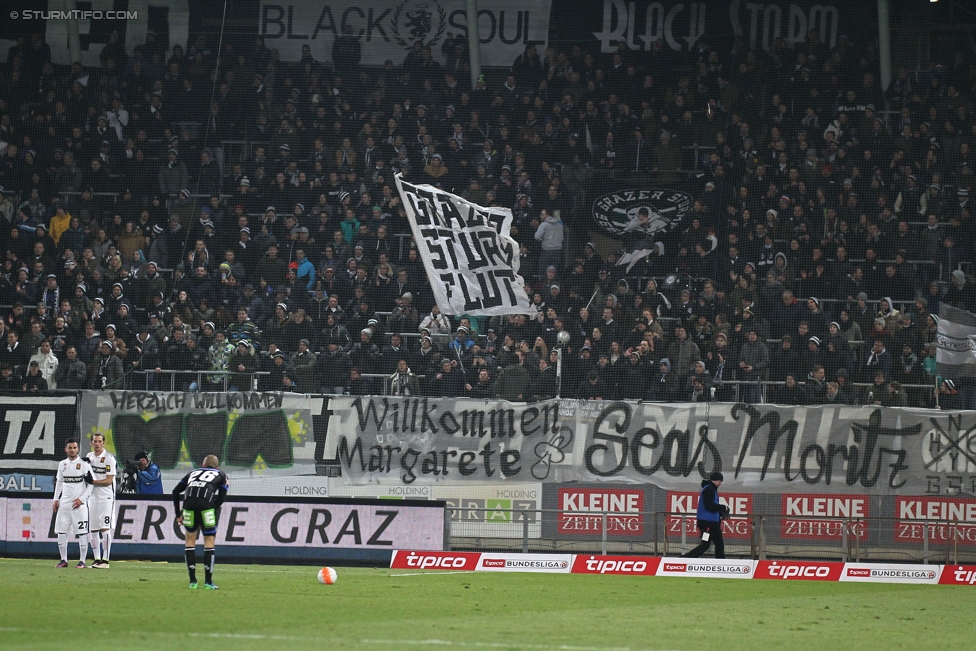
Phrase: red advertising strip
(939, 519)
(803, 516)
(740, 504)
(958, 575)
(644, 565)
(582, 511)
(780, 570)
(798, 570)
(430, 560)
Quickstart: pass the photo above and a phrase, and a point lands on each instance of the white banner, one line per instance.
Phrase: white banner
(956, 343)
(387, 29)
(762, 449)
(294, 523)
(471, 260)
(257, 435)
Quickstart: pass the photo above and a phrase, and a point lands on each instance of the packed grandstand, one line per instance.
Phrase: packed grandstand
(727, 223)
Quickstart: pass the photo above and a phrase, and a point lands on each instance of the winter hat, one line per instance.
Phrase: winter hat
(960, 276)
(815, 340)
(667, 363)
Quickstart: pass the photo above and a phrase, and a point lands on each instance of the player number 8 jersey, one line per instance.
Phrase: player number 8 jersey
(103, 465)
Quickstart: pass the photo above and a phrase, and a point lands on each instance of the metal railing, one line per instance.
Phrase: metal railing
(664, 533)
(202, 380)
(174, 380)
(166, 380)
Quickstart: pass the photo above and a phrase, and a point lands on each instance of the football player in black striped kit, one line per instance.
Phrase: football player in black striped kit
(203, 491)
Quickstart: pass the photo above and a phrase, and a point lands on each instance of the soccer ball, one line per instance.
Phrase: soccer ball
(327, 576)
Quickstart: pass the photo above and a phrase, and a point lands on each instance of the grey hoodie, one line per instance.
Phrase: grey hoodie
(550, 234)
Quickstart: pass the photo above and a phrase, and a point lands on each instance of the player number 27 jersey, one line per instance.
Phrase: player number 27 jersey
(73, 480)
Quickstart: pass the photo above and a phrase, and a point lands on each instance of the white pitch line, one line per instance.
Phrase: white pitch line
(494, 645)
(431, 573)
(387, 642)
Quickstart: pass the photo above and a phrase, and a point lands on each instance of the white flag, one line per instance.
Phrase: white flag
(471, 260)
(955, 351)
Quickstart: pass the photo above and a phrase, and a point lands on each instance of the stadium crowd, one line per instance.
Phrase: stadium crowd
(187, 210)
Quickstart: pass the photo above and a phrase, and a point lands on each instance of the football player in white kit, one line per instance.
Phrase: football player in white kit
(101, 505)
(71, 493)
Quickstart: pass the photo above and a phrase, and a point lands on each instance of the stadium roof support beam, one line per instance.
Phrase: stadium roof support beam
(884, 42)
(474, 42)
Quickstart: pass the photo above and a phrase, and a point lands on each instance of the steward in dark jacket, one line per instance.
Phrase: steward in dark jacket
(710, 516)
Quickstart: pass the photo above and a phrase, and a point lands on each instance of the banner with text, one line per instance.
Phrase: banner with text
(321, 525)
(955, 352)
(254, 434)
(471, 260)
(388, 29)
(33, 432)
(687, 26)
(760, 448)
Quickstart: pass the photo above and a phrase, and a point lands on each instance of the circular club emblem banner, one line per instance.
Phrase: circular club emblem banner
(613, 211)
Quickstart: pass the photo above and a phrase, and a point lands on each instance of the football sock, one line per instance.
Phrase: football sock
(63, 546)
(83, 547)
(208, 564)
(96, 545)
(106, 544)
(191, 563)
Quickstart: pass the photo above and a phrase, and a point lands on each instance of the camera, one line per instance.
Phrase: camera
(129, 477)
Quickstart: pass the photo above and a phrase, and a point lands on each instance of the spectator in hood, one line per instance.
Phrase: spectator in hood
(961, 292)
(891, 316)
(664, 386)
(549, 234)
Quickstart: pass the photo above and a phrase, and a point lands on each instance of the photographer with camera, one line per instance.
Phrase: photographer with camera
(710, 516)
(149, 480)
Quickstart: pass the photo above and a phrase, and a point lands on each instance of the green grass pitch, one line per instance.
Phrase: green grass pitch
(148, 605)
